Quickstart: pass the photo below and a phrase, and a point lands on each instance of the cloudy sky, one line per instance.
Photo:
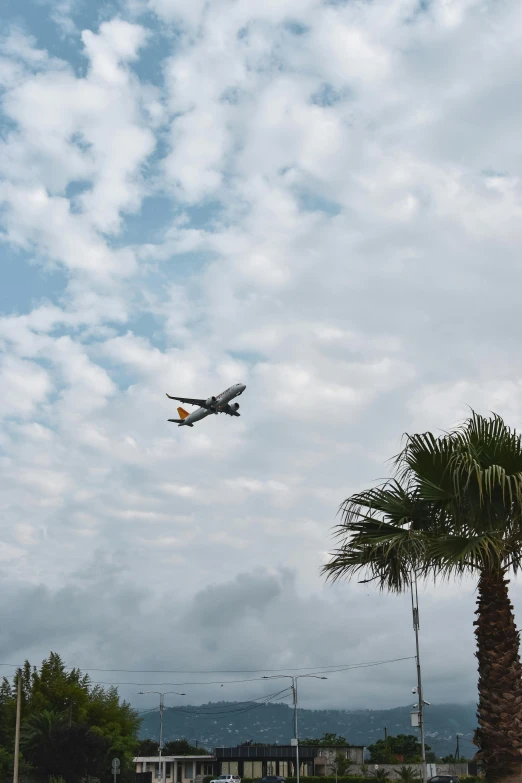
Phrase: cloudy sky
(320, 199)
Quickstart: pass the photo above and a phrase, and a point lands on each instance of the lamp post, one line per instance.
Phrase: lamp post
(162, 704)
(294, 693)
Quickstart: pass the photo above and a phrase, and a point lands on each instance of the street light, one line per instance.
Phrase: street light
(294, 693)
(162, 696)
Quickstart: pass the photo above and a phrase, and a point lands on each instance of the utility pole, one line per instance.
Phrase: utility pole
(296, 733)
(162, 704)
(386, 734)
(457, 752)
(415, 613)
(17, 732)
(294, 694)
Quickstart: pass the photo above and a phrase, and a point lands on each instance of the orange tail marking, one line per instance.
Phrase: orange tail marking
(183, 413)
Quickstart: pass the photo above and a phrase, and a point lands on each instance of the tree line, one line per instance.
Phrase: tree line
(71, 729)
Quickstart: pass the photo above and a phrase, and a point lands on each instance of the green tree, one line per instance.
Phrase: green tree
(381, 775)
(329, 739)
(7, 714)
(58, 750)
(341, 764)
(70, 729)
(454, 508)
(147, 747)
(182, 747)
(405, 747)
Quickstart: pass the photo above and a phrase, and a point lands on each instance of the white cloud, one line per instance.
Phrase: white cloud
(23, 386)
(336, 223)
(69, 130)
(199, 151)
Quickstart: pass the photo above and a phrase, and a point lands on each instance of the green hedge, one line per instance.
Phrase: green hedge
(345, 779)
(318, 779)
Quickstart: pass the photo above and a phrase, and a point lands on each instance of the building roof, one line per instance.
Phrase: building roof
(278, 751)
(173, 758)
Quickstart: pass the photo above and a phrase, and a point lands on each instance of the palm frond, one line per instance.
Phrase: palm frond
(458, 554)
(455, 505)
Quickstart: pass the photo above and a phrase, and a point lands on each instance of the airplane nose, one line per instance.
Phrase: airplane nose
(242, 388)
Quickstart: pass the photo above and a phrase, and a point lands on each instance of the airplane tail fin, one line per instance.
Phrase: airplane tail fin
(183, 413)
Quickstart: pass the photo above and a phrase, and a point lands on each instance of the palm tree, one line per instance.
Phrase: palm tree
(454, 508)
(407, 774)
(41, 727)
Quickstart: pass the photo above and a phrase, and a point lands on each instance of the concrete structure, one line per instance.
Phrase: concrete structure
(460, 770)
(256, 761)
(177, 769)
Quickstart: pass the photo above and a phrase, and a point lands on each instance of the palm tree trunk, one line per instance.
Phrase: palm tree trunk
(499, 733)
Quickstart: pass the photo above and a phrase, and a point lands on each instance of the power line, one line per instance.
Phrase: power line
(258, 679)
(233, 705)
(224, 714)
(262, 702)
(204, 671)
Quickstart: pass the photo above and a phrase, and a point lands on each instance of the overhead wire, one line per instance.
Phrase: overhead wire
(233, 705)
(257, 679)
(215, 713)
(339, 666)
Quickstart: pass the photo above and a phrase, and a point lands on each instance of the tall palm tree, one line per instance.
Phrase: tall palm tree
(454, 508)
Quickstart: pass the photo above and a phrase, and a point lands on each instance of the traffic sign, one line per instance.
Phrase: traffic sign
(116, 766)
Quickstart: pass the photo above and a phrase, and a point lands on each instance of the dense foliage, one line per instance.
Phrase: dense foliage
(70, 728)
(403, 747)
(369, 778)
(328, 740)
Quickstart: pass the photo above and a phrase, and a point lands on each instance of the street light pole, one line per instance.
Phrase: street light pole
(294, 694)
(162, 701)
(296, 731)
(161, 707)
(415, 613)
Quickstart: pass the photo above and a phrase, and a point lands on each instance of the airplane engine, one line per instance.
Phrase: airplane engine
(235, 406)
(211, 401)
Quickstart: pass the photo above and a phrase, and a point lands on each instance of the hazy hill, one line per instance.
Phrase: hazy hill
(228, 724)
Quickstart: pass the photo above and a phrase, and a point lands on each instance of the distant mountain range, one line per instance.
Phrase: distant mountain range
(228, 723)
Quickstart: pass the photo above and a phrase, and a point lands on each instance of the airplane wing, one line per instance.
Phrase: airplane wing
(189, 401)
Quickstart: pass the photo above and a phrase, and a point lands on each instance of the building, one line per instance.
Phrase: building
(177, 769)
(256, 761)
(247, 761)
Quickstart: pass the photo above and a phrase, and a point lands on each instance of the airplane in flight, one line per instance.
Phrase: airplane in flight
(219, 404)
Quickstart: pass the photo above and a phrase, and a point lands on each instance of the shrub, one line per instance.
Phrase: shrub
(407, 774)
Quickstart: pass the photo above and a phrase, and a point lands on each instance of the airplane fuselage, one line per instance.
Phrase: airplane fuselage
(218, 405)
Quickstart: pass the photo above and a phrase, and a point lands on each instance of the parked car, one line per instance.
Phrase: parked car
(444, 779)
(271, 779)
(227, 779)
